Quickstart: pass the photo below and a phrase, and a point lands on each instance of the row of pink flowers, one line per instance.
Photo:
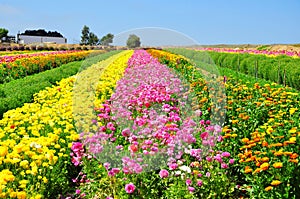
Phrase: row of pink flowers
(252, 51)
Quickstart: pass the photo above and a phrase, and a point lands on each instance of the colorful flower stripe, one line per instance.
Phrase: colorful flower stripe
(263, 120)
(18, 66)
(35, 145)
(12, 58)
(250, 51)
(142, 128)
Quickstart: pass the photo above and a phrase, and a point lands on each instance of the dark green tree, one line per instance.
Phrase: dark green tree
(3, 33)
(107, 39)
(133, 41)
(93, 39)
(85, 34)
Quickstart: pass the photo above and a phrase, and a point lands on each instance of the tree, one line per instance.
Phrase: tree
(133, 41)
(3, 33)
(93, 39)
(42, 32)
(107, 39)
(85, 34)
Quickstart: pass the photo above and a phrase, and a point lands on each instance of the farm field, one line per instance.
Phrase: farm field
(149, 124)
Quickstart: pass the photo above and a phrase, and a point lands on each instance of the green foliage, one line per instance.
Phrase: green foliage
(107, 39)
(85, 35)
(264, 47)
(280, 69)
(133, 41)
(93, 39)
(3, 33)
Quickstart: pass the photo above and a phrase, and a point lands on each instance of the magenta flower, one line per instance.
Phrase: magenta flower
(77, 191)
(224, 165)
(191, 189)
(173, 166)
(199, 183)
(163, 173)
(231, 161)
(129, 188)
(188, 182)
(226, 154)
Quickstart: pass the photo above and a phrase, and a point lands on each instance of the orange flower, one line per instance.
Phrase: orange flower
(294, 161)
(294, 156)
(275, 182)
(277, 165)
(278, 144)
(288, 153)
(278, 153)
(248, 169)
(264, 143)
(245, 140)
(258, 170)
(265, 159)
(268, 188)
(264, 166)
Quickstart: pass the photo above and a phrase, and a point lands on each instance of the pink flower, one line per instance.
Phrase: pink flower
(188, 182)
(209, 159)
(226, 154)
(129, 188)
(163, 173)
(224, 166)
(231, 161)
(76, 146)
(204, 135)
(199, 183)
(77, 191)
(173, 166)
(191, 189)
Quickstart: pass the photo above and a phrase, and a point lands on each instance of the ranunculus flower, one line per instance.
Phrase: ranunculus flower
(226, 154)
(129, 188)
(188, 182)
(163, 173)
(191, 189)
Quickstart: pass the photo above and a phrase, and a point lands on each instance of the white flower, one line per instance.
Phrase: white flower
(179, 162)
(35, 145)
(185, 168)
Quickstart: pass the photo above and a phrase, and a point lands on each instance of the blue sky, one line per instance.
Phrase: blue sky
(205, 21)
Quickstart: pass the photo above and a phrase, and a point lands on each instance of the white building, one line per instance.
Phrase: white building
(27, 39)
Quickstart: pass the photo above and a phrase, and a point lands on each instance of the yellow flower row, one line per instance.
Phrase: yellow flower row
(89, 92)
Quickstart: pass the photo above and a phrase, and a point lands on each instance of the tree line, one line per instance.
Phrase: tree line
(89, 38)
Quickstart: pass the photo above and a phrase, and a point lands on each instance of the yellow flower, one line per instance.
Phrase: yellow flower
(45, 180)
(275, 182)
(268, 188)
(277, 165)
(21, 195)
(264, 166)
(293, 139)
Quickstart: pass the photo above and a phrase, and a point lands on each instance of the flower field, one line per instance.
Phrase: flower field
(21, 65)
(152, 124)
(250, 51)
